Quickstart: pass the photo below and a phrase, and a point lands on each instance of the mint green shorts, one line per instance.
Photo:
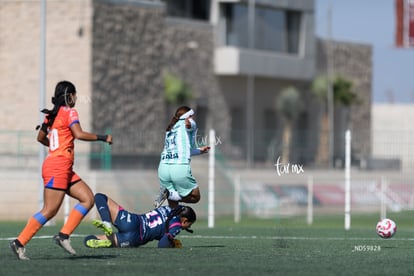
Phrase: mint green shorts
(177, 177)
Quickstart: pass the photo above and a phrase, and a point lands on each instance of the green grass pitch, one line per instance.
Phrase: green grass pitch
(251, 247)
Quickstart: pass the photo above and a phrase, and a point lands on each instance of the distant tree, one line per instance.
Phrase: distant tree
(343, 92)
(177, 92)
(343, 95)
(289, 105)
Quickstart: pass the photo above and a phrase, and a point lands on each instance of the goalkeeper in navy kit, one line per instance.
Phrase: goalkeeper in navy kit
(162, 224)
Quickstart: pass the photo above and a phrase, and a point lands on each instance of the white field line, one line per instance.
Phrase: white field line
(292, 238)
(247, 238)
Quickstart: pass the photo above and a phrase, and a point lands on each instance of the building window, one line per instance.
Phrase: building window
(274, 29)
(193, 9)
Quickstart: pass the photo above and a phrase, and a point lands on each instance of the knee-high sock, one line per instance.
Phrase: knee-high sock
(33, 225)
(101, 202)
(75, 217)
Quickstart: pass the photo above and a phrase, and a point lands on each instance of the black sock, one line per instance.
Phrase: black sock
(18, 243)
(63, 236)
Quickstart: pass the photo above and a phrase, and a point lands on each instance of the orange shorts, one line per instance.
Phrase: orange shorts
(58, 174)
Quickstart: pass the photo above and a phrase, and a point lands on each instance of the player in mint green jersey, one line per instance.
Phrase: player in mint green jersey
(174, 171)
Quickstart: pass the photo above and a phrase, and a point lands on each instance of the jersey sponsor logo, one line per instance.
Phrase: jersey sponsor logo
(169, 156)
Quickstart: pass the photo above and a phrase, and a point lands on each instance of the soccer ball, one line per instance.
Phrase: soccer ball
(386, 228)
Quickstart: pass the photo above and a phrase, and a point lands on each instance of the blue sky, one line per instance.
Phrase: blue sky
(372, 22)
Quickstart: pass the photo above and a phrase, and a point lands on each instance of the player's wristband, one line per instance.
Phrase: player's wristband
(101, 137)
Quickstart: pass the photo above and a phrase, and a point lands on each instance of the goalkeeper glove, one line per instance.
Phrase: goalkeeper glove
(176, 243)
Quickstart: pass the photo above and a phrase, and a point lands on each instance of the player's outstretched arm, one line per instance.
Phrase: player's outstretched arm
(201, 150)
(165, 241)
(79, 134)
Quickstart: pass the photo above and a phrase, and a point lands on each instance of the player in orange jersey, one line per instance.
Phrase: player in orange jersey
(58, 132)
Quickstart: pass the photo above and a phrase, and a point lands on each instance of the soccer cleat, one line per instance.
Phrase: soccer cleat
(96, 243)
(65, 244)
(161, 197)
(19, 251)
(105, 226)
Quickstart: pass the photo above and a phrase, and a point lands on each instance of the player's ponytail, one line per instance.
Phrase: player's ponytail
(63, 90)
(180, 111)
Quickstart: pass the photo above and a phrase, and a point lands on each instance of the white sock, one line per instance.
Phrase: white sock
(174, 196)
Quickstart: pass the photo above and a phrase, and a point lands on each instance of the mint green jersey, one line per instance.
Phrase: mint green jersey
(179, 144)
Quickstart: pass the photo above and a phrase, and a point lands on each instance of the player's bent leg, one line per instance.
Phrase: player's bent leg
(193, 197)
(80, 191)
(92, 241)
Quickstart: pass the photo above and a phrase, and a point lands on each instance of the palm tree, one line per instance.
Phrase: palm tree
(289, 105)
(343, 95)
(176, 90)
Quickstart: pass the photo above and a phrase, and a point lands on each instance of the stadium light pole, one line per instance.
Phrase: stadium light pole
(250, 88)
(330, 95)
(42, 90)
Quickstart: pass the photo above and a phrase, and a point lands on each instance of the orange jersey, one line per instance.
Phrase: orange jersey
(60, 136)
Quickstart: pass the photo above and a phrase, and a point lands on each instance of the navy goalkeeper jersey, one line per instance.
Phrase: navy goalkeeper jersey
(135, 230)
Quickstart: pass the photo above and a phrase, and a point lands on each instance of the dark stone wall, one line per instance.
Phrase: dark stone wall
(127, 87)
(133, 45)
